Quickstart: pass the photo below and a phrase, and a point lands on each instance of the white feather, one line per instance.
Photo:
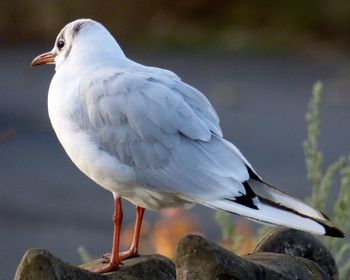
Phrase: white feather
(269, 214)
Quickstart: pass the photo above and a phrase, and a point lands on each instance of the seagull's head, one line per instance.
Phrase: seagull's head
(84, 42)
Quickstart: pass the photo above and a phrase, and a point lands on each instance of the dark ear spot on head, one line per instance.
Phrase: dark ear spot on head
(77, 27)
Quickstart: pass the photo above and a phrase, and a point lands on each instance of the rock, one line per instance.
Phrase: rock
(142, 267)
(300, 244)
(198, 258)
(282, 254)
(40, 264)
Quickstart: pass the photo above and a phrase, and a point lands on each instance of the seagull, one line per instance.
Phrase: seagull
(148, 137)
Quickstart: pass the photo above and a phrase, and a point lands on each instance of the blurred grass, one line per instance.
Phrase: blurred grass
(229, 234)
(84, 254)
(201, 24)
(323, 180)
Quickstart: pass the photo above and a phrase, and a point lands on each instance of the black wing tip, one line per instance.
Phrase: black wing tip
(252, 174)
(325, 216)
(333, 231)
(248, 199)
(243, 200)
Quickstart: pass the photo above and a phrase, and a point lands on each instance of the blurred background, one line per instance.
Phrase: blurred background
(256, 61)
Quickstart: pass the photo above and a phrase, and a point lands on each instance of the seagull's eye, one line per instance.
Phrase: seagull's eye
(60, 44)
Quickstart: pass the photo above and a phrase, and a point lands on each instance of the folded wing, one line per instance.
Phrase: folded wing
(167, 131)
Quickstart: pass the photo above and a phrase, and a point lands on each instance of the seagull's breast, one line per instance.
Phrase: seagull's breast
(80, 143)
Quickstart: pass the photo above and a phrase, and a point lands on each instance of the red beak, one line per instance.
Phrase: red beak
(45, 58)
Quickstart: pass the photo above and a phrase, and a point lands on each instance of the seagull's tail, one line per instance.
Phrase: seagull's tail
(278, 208)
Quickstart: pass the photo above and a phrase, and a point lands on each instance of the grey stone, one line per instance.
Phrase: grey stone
(282, 254)
(142, 267)
(39, 264)
(300, 244)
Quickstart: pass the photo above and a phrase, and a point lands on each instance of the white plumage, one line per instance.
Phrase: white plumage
(145, 135)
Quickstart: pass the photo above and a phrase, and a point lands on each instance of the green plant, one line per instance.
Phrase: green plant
(84, 255)
(229, 231)
(324, 179)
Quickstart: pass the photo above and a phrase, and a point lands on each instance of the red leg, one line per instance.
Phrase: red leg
(117, 220)
(133, 251)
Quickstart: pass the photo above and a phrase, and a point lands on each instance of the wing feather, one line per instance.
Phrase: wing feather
(166, 130)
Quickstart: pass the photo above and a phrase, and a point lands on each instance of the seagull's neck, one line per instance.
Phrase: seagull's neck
(84, 61)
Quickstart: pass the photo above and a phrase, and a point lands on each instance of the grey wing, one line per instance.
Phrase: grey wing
(167, 131)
